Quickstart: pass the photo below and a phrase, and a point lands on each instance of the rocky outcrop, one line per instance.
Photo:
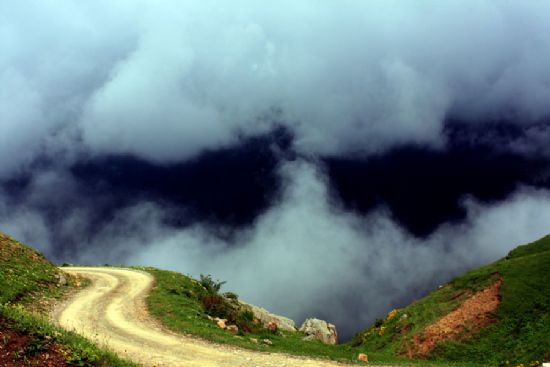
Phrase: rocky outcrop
(315, 329)
(267, 319)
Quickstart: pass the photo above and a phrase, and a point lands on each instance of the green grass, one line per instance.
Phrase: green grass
(28, 284)
(174, 302)
(520, 336)
(25, 273)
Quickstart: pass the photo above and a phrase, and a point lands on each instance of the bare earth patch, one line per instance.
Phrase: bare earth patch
(20, 350)
(475, 313)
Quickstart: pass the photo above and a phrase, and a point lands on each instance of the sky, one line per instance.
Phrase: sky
(326, 160)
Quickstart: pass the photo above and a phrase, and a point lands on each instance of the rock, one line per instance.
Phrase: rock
(363, 357)
(61, 279)
(221, 323)
(265, 317)
(254, 340)
(403, 317)
(271, 326)
(315, 329)
(232, 328)
(267, 342)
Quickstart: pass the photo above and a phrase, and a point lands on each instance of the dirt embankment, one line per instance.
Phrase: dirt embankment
(474, 314)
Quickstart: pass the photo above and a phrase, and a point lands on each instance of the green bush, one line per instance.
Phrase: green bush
(215, 305)
(226, 306)
(231, 295)
(212, 286)
(245, 321)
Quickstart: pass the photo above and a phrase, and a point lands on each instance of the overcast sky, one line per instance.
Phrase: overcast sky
(332, 159)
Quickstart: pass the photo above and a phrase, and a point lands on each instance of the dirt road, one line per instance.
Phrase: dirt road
(112, 313)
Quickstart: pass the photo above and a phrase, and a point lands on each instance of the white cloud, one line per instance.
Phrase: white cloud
(167, 81)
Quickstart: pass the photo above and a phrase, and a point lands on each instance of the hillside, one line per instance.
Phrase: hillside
(175, 303)
(29, 284)
(498, 315)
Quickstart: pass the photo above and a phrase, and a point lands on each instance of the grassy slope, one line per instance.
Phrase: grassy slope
(172, 302)
(27, 285)
(522, 332)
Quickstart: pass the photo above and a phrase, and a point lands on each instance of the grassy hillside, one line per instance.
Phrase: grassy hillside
(175, 302)
(28, 285)
(517, 332)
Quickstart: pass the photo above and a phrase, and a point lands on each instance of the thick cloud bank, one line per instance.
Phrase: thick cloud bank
(167, 81)
(305, 256)
(333, 159)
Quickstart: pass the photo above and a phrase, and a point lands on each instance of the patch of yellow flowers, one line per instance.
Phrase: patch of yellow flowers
(531, 364)
(15, 306)
(380, 331)
(391, 314)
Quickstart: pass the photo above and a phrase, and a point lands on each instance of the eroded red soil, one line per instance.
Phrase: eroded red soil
(19, 350)
(474, 314)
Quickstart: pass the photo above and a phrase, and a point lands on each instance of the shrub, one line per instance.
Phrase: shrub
(247, 315)
(226, 306)
(245, 321)
(231, 295)
(214, 305)
(211, 285)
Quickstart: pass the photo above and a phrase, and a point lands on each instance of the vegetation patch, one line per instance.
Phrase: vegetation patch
(26, 276)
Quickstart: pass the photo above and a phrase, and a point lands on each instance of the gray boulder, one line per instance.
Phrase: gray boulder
(265, 317)
(315, 329)
(61, 279)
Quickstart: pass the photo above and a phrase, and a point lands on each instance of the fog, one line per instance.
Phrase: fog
(306, 256)
(167, 82)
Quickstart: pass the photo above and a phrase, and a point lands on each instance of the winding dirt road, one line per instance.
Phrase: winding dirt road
(112, 313)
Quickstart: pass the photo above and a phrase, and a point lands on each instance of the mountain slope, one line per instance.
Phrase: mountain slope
(28, 285)
(498, 314)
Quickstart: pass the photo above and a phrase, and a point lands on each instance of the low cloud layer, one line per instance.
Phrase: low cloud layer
(165, 82)
(306, 256)
(100, 101)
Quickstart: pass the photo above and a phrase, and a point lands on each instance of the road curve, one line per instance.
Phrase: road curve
(112, 313)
